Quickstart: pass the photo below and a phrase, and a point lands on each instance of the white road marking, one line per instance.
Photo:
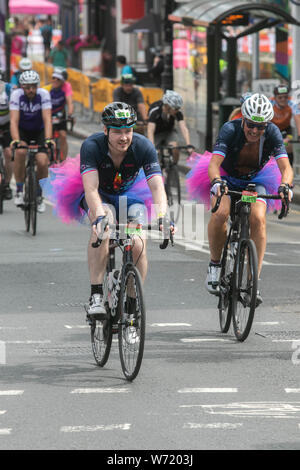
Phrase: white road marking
(100, 390)
(170, 324)
(5, 431)
(208, 390)
(283, 340)
(256, 409)
(30, 341)
(99, 427)
(270, 323)
(13, 328)
(2, 412)
(212, 425)
(11, 392)
(203, 340)
(292, 390)
(72, 327)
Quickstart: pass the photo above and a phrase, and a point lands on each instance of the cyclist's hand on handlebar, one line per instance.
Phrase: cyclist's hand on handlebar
(49, 143)
(285, 191)
(14, 144)
(100, 225)
(218, 187)
(190, 148)
(165, 225)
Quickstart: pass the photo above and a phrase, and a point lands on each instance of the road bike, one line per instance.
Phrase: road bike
(239, 265)
(171, 178)
(31, 184)
(124, 303)
(57, 120)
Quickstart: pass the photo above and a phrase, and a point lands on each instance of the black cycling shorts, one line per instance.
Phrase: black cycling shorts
(5, 137)
(38, 137)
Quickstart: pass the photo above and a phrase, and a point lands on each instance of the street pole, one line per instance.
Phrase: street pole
(7, 42)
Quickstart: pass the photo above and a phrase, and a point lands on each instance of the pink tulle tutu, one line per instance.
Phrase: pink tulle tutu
(64, 189)
(198, 183)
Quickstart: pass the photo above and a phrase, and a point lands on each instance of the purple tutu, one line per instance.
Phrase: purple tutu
(198, 183)
(64, 189)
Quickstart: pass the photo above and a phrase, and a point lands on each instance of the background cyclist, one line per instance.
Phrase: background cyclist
(131, 94)
(162, 115)
(30, 119)
(5, 138)
(24, 64)
(284, 110)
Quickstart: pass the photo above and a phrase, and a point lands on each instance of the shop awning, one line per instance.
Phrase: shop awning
(148, 24)
(33, 7)
(207, 12)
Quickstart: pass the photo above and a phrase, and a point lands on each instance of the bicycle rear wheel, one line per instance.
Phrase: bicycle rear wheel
(173, 191)
(132, 324)
(224, 306)
(101, 338)
(27, 200)
(244, 290)
(33, 192)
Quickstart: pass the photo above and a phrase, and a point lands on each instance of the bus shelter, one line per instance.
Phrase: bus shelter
(215, 16)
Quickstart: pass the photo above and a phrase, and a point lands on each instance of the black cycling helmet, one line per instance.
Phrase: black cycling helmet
(118, 114)
(281, 90)
(127, 78)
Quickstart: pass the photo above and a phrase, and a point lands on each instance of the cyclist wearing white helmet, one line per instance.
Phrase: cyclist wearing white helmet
(242, 155)
(161, 122)
(24, 64)
(30, 119)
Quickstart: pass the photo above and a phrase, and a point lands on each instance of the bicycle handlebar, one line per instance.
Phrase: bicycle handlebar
(284, 206)
(117, 227)
(36, 148)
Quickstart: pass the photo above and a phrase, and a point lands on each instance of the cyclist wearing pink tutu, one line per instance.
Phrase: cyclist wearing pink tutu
(242, 155)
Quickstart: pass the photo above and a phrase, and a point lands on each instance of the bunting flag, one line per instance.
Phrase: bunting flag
(282, 52)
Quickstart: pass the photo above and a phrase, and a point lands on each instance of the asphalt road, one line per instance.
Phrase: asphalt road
(197, 388)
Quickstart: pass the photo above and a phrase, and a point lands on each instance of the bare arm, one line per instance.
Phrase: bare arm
(150, 131)
(47, 118)
(184, 131)
(14, 124)
(286, 170)
(90, 184)
(214, 167)
(159, 196)
(142, 111)
(70, 105)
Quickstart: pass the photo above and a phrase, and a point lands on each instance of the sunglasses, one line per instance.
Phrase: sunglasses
(252, 125)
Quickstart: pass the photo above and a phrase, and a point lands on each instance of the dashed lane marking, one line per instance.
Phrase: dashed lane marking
(98, 427)
(170, 324)
(4, 393)
(5, 431)
(203, 340)
(100, 390)
(208, 390)
(226, 426)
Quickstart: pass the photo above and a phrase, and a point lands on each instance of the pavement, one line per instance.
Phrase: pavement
(86, 125)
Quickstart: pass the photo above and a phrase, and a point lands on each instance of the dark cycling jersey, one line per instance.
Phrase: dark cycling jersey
(243, 159)
(58, 100)
(164, 123)
(94, 156)
(31, 118)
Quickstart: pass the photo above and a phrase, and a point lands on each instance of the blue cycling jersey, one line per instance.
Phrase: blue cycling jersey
(31, 118)
(243, 159)
(94, 156)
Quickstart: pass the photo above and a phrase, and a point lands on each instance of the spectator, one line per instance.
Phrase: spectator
(46, 31)
(35, 43)
(130, 94)
(157, 67)
(59, 56)
(124, 68)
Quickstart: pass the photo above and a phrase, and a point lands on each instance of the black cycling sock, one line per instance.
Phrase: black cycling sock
(96, 289)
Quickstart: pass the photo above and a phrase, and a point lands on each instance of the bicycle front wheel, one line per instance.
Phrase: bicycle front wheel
(33, 192)
(27, 200)
(173, 191)
(244, 291)
(132, 324)
(101, 338)
(225, 304)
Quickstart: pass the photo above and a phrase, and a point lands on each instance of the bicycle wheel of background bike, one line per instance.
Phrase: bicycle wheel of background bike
(27, 201)
(132, 324)
(224, 306)
(101, 338)
(33, 191)
(173, 191)
(244, 289)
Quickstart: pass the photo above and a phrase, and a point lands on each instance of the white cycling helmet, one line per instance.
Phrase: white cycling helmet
(29, 77)
(258, 108)
(173, 99)
(25, 64)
